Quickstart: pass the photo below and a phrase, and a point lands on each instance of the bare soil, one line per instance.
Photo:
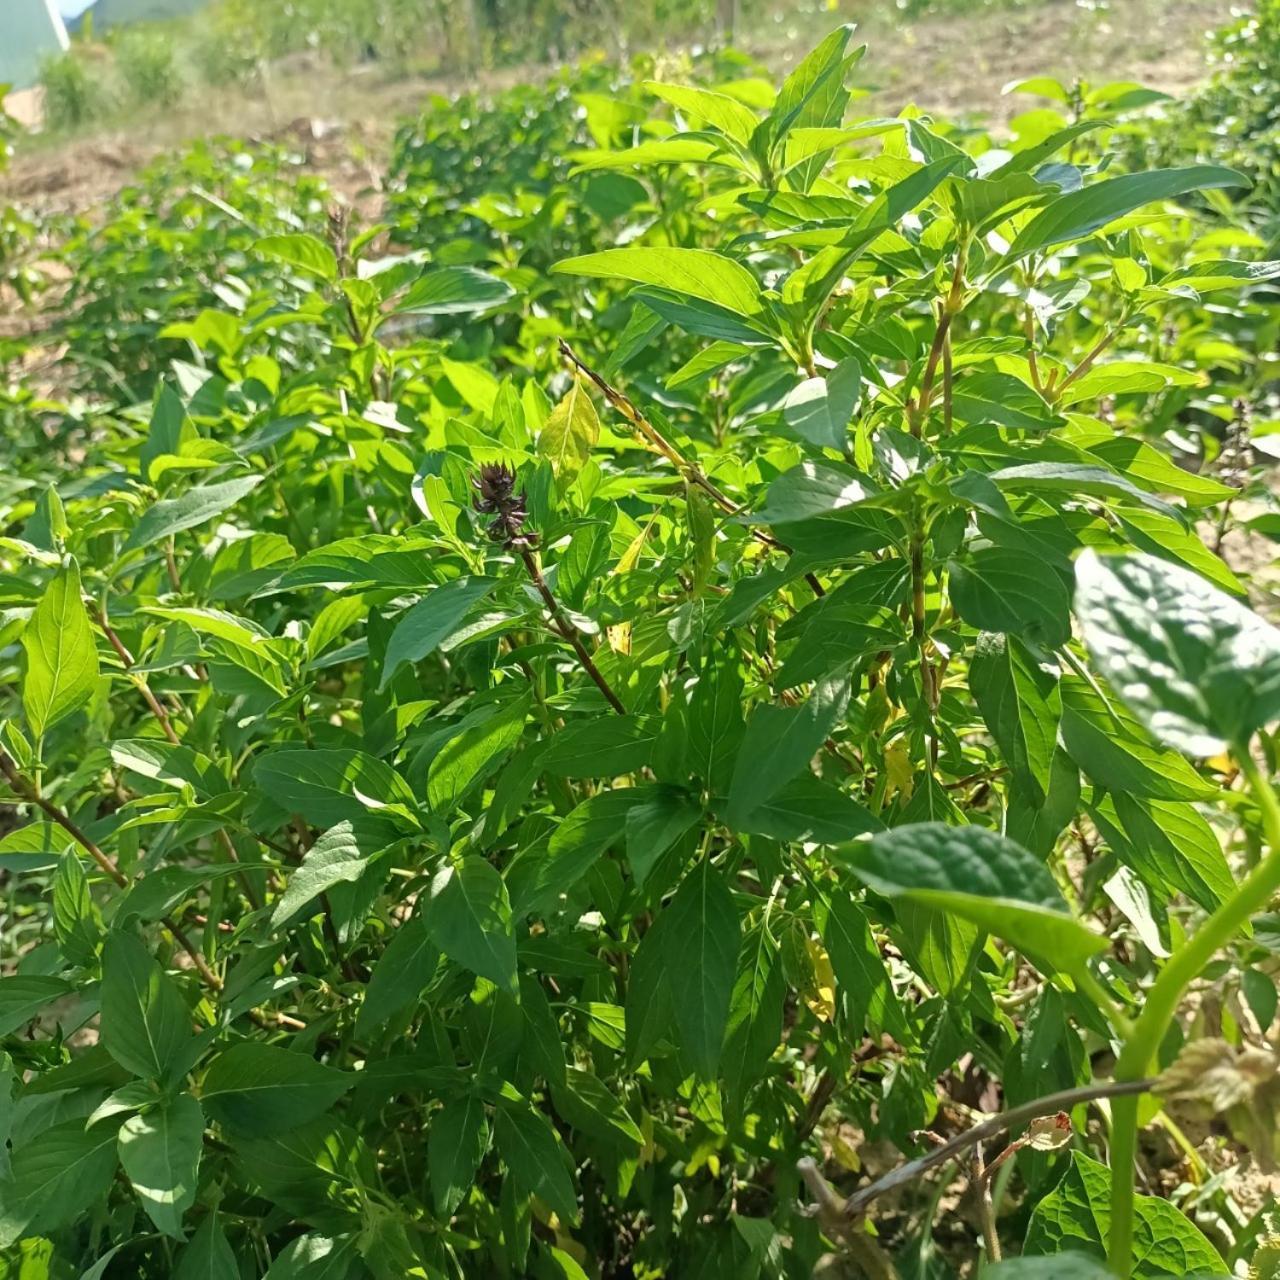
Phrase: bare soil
(949, 64)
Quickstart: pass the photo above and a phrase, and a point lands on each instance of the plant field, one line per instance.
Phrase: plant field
(695, 700)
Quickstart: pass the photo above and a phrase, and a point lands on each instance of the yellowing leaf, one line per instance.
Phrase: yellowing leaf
(570, 434)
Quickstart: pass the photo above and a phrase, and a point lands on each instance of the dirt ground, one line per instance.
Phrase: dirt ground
(946, 64)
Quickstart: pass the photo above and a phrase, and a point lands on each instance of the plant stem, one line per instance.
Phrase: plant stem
(569, 631)
(23, 788)
(1161, 1005)
(687, 468)
(1054, 1102)
(162, 719)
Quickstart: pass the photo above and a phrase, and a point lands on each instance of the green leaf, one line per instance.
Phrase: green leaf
(1074, 479)
(422, 628)
(457, 1139)
(981, 877)
(208, 1256)
(1169, 845)
(654, 824)
(866, 993)
(570, 433)
(472, 755)
(1079, 213)
(601, 748)
(56, 1178)
(813, 490)
(315, 1257)
(62, 658)
(337, 857)
(77, 925)
(691, 273)
(780, 742)
(593, 1108)
(160, 1151)
(329, 785)
(261, 1089)
(1196, 666)
(1004, 589)
(23, 996)
(701, 939)
(718, 110)
(1062, 1266)
(146, 1026)
(173, 515)
(448, 291)
(304, 252)
(819, 410)
(1114, 750)
(469, 918)
(756, 1006)
(400, 974)
(809, 809)
(1077, 1215)
(536, 1159)
(1020, 704)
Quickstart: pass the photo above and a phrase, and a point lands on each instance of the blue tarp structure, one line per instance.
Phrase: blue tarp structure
(30, 31)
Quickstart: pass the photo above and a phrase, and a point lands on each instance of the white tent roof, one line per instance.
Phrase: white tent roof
(30, 30)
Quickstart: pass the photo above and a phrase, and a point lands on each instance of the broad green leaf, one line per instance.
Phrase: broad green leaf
(1222, 273)
(692, 273)
(338, 856)
(863, 984)
(160, 1151)
(1062, 1266)
(55, 1177)
(447, 291)
(304, 252)
(23, 996)
(543, 873)
(260, 1089)
(1005, 589)
(780, 742)
(469, 918)
(601, 748)
(1079, 213)
(678, 150)
(536, 1158)
(981, 877)
(77, 924)
(808, 809)
(316, 1257)
(701, 939)
(457, 1138)
(819, 410)
(1115, 751)
(1169, 845)
(422, 629)
(814, 489)
(467, 759)
(1074, 479)
(208, 1256)
(716, 109)
(1020, 704)
(570, 433)
(593, 1108)
(1076, 1215)
(1197, 667)
(654, 824)
(400, 974)
(329, 785)
(62, 658)
(195, 507)
(146, 1026)
(755, 1013)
